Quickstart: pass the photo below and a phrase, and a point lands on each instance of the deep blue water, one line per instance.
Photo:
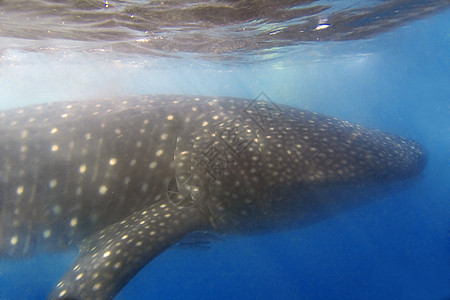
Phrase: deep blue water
(397, 248)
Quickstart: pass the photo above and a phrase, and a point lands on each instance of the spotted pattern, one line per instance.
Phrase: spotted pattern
(113, 255)
(82, 152)
(135, 175)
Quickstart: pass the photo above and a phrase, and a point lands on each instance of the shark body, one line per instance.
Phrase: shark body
(124, 179)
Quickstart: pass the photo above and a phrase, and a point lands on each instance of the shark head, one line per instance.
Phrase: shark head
(267, 167)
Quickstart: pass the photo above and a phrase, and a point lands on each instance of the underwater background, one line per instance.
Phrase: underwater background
(394, 78)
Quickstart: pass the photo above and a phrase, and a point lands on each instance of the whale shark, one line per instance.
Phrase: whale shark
(124, 179)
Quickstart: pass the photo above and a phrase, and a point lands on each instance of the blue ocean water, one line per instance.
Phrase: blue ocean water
(397, 248)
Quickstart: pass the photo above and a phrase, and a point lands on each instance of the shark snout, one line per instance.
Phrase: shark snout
(384, 157)
(419, 159)
(405, 160)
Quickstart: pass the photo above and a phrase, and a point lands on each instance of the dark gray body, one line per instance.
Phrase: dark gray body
(125, 179)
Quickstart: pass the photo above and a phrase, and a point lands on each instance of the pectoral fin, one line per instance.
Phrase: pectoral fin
(111, 257)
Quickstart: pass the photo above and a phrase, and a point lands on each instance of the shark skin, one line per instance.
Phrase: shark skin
(125, 179)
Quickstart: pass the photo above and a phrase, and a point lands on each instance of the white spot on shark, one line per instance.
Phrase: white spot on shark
(56, 209)
(20, 190)
(52, 183)
(74, 222)
(62, 293)
(102, 189)
(46, 233)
